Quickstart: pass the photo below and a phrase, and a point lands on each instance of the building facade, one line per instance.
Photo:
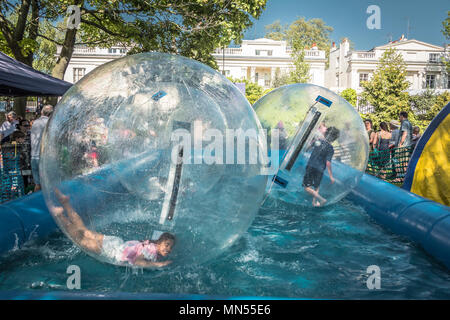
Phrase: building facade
(424, 66)
(259, 61)
(262, 60)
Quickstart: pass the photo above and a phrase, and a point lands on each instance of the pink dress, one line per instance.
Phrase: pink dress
(133, 249)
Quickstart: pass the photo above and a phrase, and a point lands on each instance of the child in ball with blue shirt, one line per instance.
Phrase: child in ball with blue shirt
(321, 155)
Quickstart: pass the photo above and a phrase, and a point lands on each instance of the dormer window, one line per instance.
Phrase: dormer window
(434, 57)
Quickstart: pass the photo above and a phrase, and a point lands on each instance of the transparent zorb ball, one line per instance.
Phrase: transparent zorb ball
(139, 145)
(312, 132)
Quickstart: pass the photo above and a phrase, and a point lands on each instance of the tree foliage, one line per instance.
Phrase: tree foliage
(427, 105)
(446, 33)
(301, 35)
(253, 91)
(386, 90)
(192, 28)
(350, 95)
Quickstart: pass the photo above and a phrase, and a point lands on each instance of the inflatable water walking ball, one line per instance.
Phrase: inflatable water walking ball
(154, 143)
(310, 126)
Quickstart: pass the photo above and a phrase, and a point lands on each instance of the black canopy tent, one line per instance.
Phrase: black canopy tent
(19, 80)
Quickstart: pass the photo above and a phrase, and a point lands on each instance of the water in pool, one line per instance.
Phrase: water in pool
(287, 252)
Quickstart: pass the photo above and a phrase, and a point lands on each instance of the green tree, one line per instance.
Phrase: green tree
(300, 74)
(192, 28)
(276, 31)
(350, 95)
(301, 35)
(253, 91)
(446, 33)
(427, 105)
(386, 91)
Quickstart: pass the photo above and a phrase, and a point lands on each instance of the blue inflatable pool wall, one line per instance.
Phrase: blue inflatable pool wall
(421, 220)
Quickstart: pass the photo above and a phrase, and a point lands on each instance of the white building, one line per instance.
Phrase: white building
(423, 62)
(261, 60)
(85, 59)
(257, 60)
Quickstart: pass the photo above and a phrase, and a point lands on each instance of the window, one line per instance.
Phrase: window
(448, 82)
(267, 80)
(269, 52)
(78, 73)
(363, 77)
(256, 77)
(434, 57)
(430, 81)
(112, 50)
(258, 52)
(123, 50)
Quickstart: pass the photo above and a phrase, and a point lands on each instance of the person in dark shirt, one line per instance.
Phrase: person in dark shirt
(320, 158)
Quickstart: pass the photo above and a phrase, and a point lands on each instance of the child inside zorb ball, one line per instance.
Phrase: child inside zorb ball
(321, 155)
(138, 253)
(128, 148)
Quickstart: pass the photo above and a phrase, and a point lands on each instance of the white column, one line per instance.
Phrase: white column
(252, 74)
(421, 84)
(415, 84)
(272, 75)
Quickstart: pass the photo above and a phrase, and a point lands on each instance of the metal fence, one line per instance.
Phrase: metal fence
(15, 171)
(389, 165)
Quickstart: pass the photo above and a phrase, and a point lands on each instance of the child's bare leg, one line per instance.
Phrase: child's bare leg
(74, 225)
(315, 195)
(71, 213)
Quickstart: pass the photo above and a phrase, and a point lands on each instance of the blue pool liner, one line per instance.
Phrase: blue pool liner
(421, 220)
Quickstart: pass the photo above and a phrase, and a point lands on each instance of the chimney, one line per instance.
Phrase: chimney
(345, 44)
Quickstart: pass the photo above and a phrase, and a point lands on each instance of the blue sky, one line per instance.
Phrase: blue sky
(348, 18)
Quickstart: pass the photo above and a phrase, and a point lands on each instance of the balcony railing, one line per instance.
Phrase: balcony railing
(82, 50)
(229, 51)
(364, 55)
(314, 54)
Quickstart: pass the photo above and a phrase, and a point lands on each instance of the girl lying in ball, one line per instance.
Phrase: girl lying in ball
(138, 253)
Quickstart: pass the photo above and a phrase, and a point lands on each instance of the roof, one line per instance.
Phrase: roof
(18, 79)
(418, 43)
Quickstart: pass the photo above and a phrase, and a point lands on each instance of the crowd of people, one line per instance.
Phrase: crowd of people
(391, 147)
(19, 153)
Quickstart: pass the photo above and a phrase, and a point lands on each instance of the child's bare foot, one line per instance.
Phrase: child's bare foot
(56, 211)
(61, 197)
(316, 203)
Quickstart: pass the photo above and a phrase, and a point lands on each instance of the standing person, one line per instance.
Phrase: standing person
(416, 136)
(405, 130)
(9, 126)
(24, 127)
(394, 124)
(36, 135)
(401, 157)
(370, 133)
(382, 143)
(321, 155)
